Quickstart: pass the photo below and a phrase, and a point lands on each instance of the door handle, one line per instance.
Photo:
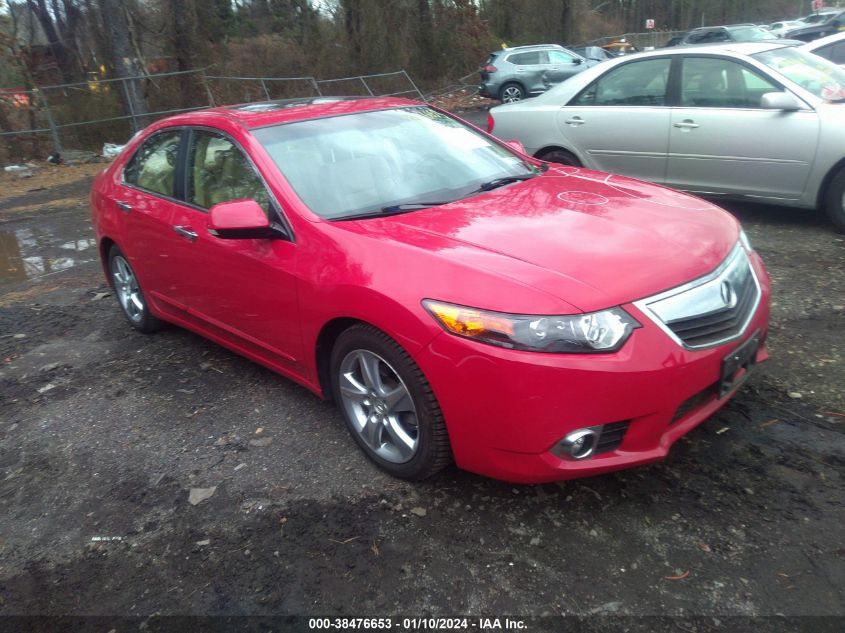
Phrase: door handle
(688, 124)
(186, 231)
(576, 120)
(124, 206)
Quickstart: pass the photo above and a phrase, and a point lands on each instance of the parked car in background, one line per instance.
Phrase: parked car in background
(729, 33)
(457, 299)
(778, 29)
(819, 17)
(831, 48)
(675, 40)
(756, 120)
(833, 23)
(512, 74)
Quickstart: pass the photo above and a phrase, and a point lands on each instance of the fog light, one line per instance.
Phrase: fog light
(578, 444)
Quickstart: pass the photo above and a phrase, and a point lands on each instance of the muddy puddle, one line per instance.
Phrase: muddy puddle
(33, 249)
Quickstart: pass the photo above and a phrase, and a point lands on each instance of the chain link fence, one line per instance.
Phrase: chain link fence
(85, 115)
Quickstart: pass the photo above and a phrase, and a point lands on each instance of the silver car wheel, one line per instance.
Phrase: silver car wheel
(127, 290)
(379, 405)
(511, 94)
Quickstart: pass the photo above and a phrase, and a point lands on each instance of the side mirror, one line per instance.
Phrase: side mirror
(519, 147)
(239, 219)
(780, 101)
(577, 61)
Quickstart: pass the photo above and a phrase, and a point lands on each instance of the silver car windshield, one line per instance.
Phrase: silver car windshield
(358, 164)
(815, 74)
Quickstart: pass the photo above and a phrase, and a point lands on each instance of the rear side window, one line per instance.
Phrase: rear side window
(153, 167)
(833, 52)
(528, 59)
(635, 84)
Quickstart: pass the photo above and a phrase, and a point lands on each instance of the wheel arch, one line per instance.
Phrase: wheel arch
(554, 148)
(105, 246)
(825, 184)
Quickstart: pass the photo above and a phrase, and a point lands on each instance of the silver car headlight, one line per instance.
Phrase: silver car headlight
(604, 331)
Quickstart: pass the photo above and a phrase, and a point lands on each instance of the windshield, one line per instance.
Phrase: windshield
(815, 74)
(752, 34)
(350, 165)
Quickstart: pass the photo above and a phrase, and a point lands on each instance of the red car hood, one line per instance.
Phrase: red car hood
(598, 240)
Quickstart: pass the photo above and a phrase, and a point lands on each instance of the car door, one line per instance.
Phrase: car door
(243, 290)
(146, 200)
(620, 122)
(722, 141)
(562, 65)
(529, 69)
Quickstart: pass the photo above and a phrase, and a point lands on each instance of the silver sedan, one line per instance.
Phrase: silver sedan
(754, 120)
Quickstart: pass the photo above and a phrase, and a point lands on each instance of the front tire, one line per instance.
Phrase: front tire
(835, 200)
(129, 295)
(388, 405)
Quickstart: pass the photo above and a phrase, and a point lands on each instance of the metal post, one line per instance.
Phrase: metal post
(266, 92)
(316, 87)
(54, 132)
(207, 89)
(366, 86)
(135, 127)
(411, 81)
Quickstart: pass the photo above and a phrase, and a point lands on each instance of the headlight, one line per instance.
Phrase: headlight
(604, 331)
(743, 239)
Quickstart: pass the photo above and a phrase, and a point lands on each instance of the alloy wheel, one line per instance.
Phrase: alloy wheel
(127, 289)
(379, 405)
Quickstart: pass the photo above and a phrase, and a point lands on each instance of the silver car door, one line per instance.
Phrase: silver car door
(620, 123)
(722, 141)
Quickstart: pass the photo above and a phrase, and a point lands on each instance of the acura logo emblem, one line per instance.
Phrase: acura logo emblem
(728, 294)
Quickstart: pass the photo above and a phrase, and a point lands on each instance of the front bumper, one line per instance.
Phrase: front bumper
(505, 410)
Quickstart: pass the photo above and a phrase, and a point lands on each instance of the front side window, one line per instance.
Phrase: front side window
(708, 82)
(218, 171)
(559, 57)
(355, 164)
(153, 167)
(640, 83)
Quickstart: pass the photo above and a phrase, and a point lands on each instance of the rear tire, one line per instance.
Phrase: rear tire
(562, 157)
(128, 292)
(388, 405)
(834, 201)
(511, 93)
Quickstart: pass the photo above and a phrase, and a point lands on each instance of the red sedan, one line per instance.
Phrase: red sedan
(459, 300)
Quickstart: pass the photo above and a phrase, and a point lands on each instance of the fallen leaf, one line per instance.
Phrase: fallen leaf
(681, 577)
(704, 547)
(769, 423)
(375, 548)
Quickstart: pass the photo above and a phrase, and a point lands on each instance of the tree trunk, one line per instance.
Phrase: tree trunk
(60, 52)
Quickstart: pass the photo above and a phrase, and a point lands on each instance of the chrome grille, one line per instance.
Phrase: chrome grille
(711, 310)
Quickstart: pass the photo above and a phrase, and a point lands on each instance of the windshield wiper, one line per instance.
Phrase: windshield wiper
(394, 209)
(499, 182)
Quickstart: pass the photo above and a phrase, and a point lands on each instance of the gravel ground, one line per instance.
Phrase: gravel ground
(106, 433)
